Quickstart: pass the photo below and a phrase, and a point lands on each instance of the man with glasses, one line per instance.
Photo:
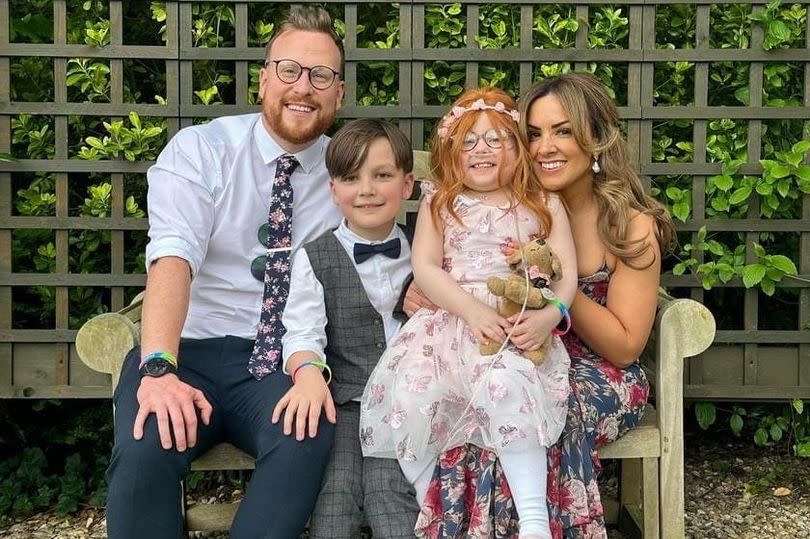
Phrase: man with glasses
(228, 201)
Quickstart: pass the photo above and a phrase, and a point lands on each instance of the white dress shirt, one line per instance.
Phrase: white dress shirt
(305, 314)
(209, 192)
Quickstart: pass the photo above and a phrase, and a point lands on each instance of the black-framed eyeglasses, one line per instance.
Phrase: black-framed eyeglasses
(289, 71)
(494, 138)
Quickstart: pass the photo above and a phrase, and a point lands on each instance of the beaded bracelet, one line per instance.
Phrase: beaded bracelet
(316, 363)
(166, 356)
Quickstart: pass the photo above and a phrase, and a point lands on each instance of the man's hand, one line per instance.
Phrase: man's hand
(175, 402)
(303, 403)
(415, 300)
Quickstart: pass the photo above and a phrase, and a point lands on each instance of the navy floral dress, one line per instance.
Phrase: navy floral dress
(469, 496)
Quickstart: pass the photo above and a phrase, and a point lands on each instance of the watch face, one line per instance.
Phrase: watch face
(157, 367)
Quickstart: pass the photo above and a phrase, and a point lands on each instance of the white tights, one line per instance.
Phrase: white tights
(526, 472)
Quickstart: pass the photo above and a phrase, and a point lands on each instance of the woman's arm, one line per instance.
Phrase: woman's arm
(619, 330)
(441, 289)
(535, 325)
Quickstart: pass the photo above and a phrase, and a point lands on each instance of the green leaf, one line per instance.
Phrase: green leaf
(803, 172)
(802, 449)
(706, 414)
(740, 195)
(724, 183)
(736, 424)
(784, 264)
(778, 31)
(776, 433)
(783, 187)
(761, 436)
(798, 405)
(780, 171)
(768, 286)
(803, 146)
(674, 193)
(753, 274)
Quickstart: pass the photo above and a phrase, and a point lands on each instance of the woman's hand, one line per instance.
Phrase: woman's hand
(415, 300)
(533, 326)
(485, 323)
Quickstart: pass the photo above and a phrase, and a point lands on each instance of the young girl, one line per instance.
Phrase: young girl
(432, 390)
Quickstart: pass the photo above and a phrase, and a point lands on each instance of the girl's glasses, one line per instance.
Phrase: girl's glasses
(494, 138)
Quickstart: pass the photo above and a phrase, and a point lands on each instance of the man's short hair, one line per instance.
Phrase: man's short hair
(348, 149)
(308, 19)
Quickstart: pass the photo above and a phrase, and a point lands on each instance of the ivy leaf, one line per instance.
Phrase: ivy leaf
(752, 274)
(784, 264)
(706, 414)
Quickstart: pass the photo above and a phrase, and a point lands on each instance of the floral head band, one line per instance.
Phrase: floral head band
(458, 111)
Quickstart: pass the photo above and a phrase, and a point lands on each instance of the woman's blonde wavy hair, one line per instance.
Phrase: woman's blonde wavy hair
(446, 169)
(618, 189)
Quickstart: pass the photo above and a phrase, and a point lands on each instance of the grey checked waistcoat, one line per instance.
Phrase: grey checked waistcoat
(354, 332)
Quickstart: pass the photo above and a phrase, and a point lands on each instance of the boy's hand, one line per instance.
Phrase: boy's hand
(303, 403)
(486, 323)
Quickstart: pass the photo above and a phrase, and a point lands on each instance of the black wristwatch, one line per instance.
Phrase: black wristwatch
(157, 367)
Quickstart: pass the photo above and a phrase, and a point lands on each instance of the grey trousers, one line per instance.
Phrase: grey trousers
(354, 485)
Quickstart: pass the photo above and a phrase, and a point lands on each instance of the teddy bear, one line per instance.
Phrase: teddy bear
(543, 266)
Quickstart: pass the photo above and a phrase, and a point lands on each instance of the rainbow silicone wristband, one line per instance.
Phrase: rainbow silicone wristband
(566, 316)
(315, 363)
(171, 358)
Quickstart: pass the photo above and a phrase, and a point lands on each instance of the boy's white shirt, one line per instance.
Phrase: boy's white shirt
(382, 278)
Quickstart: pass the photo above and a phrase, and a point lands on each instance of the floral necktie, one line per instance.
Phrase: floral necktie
(267, 350)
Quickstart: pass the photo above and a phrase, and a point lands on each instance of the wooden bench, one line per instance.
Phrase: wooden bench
(651, 488)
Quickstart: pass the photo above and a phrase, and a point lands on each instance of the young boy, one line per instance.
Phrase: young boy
(339, 317)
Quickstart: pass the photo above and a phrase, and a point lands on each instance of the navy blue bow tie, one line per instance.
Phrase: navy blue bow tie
(364, 251)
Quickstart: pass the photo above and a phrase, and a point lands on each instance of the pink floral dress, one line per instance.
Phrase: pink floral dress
(469, 496)
(432, 390)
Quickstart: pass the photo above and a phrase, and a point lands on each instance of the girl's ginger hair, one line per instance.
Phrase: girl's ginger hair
(446, 150)
(617, 187)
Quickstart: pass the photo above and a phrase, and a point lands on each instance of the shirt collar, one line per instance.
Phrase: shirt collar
(269, 149)
(344, 231)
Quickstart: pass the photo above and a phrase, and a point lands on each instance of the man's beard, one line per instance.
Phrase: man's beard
(297, 133)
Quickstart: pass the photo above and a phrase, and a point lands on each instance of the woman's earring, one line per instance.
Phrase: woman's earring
(595, 167)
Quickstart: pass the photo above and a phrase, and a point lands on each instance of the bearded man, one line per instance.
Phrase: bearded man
(228, 201)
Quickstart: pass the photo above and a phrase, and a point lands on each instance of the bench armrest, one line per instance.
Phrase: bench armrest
(104, 341)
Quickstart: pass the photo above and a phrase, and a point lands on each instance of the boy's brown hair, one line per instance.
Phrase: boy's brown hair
(348, 149)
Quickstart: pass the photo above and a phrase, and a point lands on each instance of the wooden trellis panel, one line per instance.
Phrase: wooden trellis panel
(746, 362)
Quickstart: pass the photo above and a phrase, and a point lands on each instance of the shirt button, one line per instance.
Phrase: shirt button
(376, 322)
(380, 345)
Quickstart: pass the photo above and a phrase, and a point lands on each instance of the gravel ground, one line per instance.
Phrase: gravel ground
(733, 490)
